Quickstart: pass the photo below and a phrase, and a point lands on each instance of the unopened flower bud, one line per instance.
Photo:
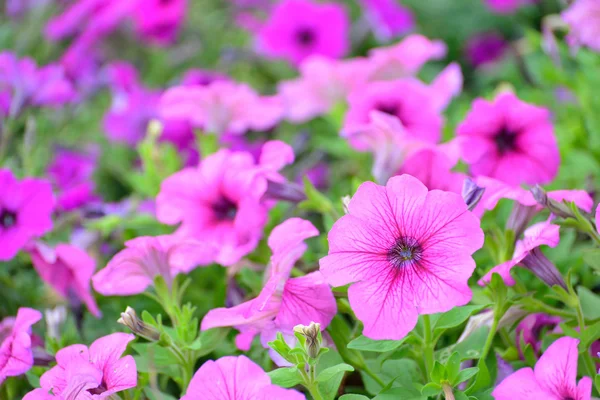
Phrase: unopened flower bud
(557, 208)
(312, 333)
(286, 191)
(471, 193)
(519, 218)
(130, 319)
(543, 268)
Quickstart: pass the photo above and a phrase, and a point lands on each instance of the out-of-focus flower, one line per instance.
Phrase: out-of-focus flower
(283, 303)
(220, 201)
(26, 85)
(507, 6)
(25, 212)
(529, 330)
(17, 8)
(509, 140)
(405, 251)
(94, 373)
(221, 107)
(554, 377)
(16, 356)
(235, 378)
(68, 270)
(297, 29)
(583, 18)
(202, 77)
(528, 254)
(159, 21)
(485, 48)
(71, 173)
(133, 269)
(388, 18)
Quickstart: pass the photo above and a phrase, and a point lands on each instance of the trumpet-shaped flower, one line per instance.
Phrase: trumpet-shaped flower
(553, 378)
(71, 173)
(16, 357)
(25, 212)
(283, 303)
(404, 251)
(235, 378)
(530, 329)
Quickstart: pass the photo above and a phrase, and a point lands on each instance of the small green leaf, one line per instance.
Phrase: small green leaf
(465, 375)
(458, 395)
(482, 381)
(431, 389)
(363, 343)
(453, 366)
(286, 377)
(438, 373)
(331, 372)
(590, 302)
(592, 258)
(210, 340)
(455, 317)
(353, 397)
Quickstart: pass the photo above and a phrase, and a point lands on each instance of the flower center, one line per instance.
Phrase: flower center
(392, 109)
(224, 209)
(404, 252)
(8, 219)
(99, 390)
(305, 36)
(505, 141)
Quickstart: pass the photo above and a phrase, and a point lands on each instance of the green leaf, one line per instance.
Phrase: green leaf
(471, 347)
(353, 397)
(458, 395)
(483, 379)
(286, 377)
(590, 302)
(455, 317)
(395, 373)
(211, 339)
(331, 372)
(592, 258)
(329, 388)
(438, 373)
(431, 389)
(590, 335)
(400, 393)
(153, 394)
(453, 366)
(315, 200)
(363, 343)
(465, 375)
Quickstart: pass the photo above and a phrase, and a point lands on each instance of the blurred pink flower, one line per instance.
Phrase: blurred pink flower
(486, 48)
(221, 106)
(507, 6)
(405, 251)
(159, 21)
(553, 378)
(583, 18)
(202, 77)
(297, 29)
(283, 303)
(529, 330)
(94, 373)
(68, 270)
(133, 269)
(235, 378)
(388, 19)
(220, 201)
(509, 140)
(26, 208)
(71, 173)
(16, 357)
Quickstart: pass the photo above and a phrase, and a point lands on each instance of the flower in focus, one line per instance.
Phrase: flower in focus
(283, 303)
(405, 251)
(94, 373)
(71, 173)
(235, 378)
(529, 330)
(133, 269)
(485, 48)
(25, 212)
(297, 29)
(554, 377)
(583, 18)
(68, 270)
(509, 140)
(16, 357)
(388, 18)
(220, 201)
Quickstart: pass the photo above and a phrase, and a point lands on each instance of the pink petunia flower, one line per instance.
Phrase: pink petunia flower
(583, 18)
(133, 269)
(16, 357)
(283, 303)
(297, 29)
(235, 378)
(25, 212)
(528, 254)
(509, 140)
(485, 49)
(220, 201)
(68, 270)
(221, 107)
(405, 251)
(529, 330)
(159, 21)
(94, 373)
(71, 173)
(388, 19)
(553, 378)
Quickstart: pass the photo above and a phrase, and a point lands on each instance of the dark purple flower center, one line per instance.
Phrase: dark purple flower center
(506, 141)
(305, 36)
(8, 219)
(164, 2)
(404, 252)
(393, 109)
(224, 209)
(99, 390)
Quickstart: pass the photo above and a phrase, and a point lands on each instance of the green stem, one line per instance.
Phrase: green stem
(377, 379)
(490, 338)
(428, 345)
(310, 383)
(587, 358)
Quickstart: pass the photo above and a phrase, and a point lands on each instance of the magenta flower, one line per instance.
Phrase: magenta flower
(25, 212)
(529, 330)
(283, 303)
(16, 357)
(486, 48)
(221, 107)
(133, 269)
(220, 201)
(510, 140)
(405, 251)
(297, 29)
(388, 18)
(235, 378)
(583, 18)
(554, 377)
(71, 173)
(68, 270)
(94, 373)
(159, 21)
(527, 252)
